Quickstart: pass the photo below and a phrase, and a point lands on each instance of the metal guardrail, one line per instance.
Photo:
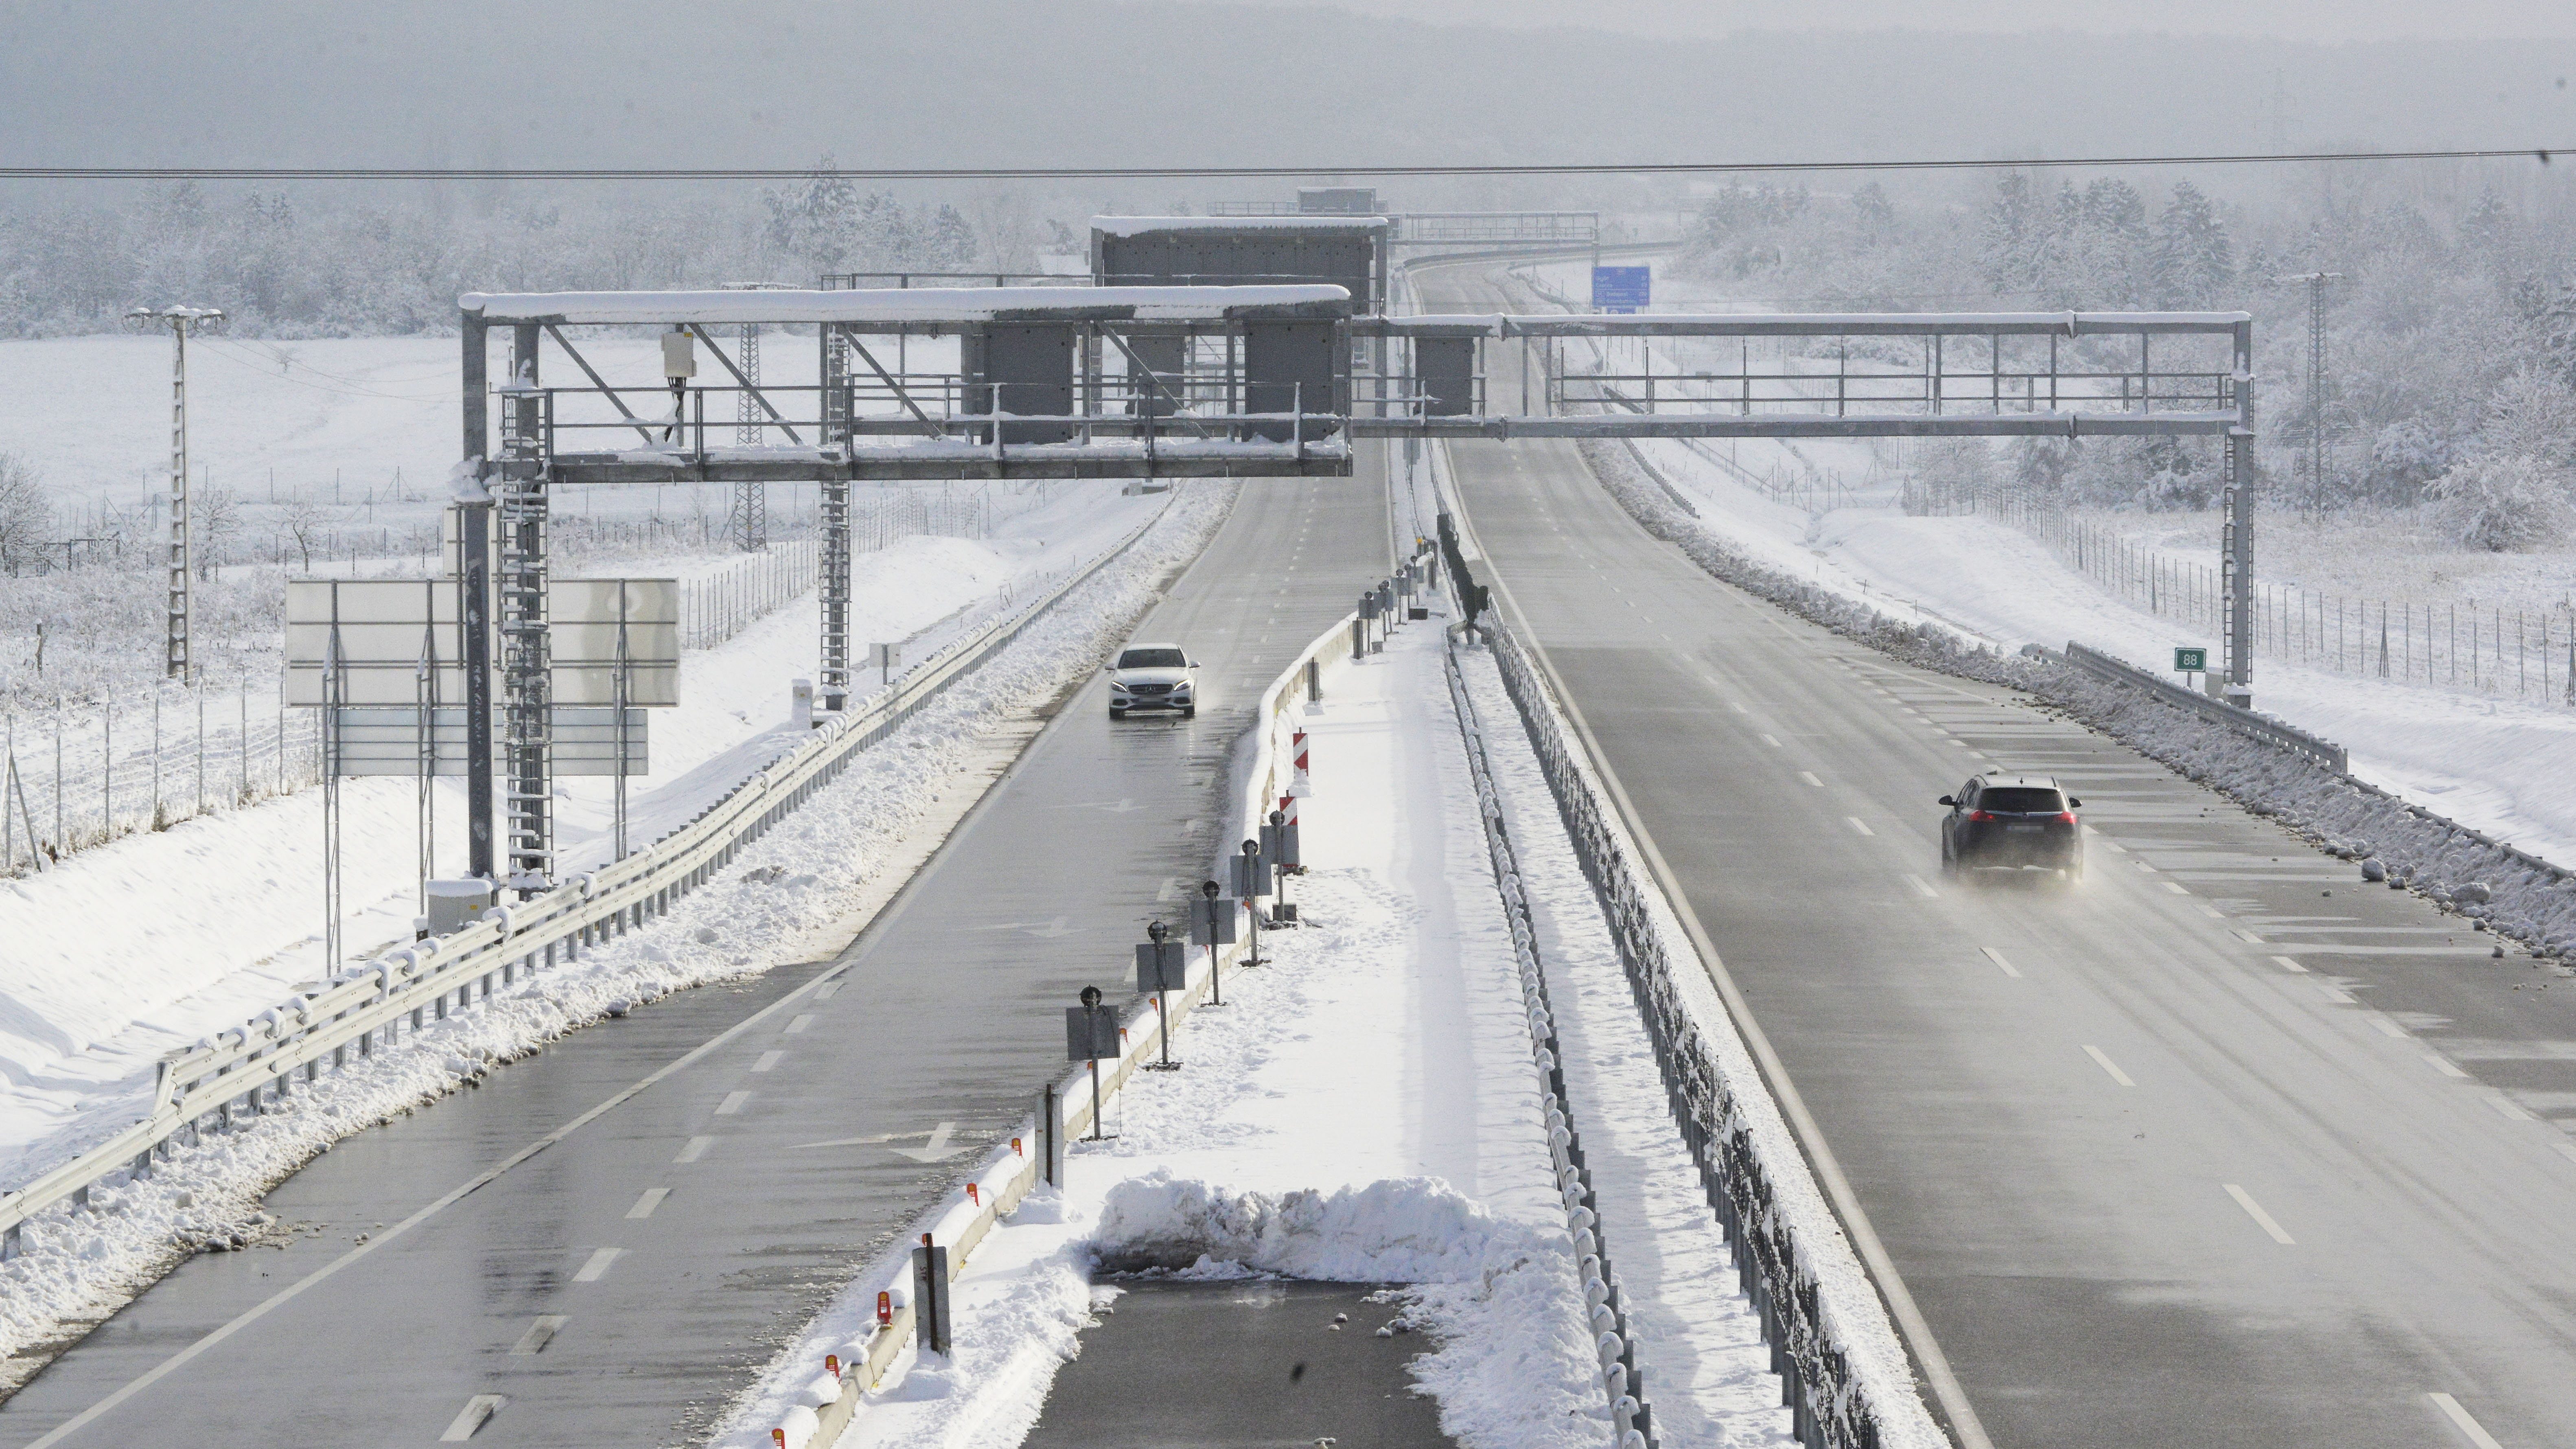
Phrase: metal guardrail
(232, 1072)
(1606, 1323)
(2245, 721)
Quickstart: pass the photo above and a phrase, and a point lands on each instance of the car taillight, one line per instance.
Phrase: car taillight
(1979, 815)
(2065, 817)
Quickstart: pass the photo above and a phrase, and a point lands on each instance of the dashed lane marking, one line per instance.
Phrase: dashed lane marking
(2001, 964)
(2286, 964)
(2463, 1421)
(597, 1266)
(1810, 777)
(2255, 1211)
(644, 1205)
(696, 1149)
(732, 1103)
(2385, 1027)
(476, 1412)
(1772, 741)
(1858, 824)
(2106, 1064)
(539, 1334)
(2443, 1065)
(798, 1025)
(768, 1061)
(1922, 887)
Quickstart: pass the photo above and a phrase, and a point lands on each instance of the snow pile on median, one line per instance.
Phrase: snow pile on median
(1408, 1230)
(803, 877)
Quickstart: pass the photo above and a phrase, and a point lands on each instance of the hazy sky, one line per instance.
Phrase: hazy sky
(2289, 19)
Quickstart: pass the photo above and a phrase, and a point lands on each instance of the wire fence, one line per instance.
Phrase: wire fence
(2514, 654)
(88, 772)
(731, 597)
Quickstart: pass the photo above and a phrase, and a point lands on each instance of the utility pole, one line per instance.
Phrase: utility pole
(2316, 385)
(181, 321)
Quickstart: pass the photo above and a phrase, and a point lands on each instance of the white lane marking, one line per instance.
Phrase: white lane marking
(651, 1199)
(2442, 1065)
(2462, 1421)
(2215, 914)
(798, 1025)
(2107, 1065)
(1998, 958)
(2565, 1149)
(1773, 743)
(1857, 824)
(597, 1267)
(539, 1334)
(2176, 888)
(1922, 888)
(2385, 1027)
(767, 1061)
(696, 1149)
(1810, 777)
(2255, 1211)
(2335, 994)
(732, 1103)
(2249, 938)
(827, 991)
(2286, 964)
(2111, 845)
(376, 1243)
(2507, 1110)
(470, 1418)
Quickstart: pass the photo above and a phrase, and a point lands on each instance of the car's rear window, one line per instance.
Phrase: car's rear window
(2020, 800)
(1153, 659)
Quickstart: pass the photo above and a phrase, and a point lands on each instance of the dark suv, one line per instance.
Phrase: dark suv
(2012, 822)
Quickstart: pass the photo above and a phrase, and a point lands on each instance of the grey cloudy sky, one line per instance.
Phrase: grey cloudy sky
(2287, 19)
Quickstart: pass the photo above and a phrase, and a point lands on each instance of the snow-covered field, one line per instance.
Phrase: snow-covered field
(1365, 1110)
(129, 950)
(790, 893)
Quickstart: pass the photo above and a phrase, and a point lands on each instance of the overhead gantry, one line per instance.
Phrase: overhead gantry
(1264, 380)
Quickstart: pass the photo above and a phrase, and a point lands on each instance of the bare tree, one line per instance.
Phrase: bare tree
(26, 516)
(306, 519)
(214, 516)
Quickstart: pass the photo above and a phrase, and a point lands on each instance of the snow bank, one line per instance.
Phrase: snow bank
(1408, 1230)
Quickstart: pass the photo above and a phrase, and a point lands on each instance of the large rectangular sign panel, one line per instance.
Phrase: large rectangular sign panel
(389, 740)
(1623, 289)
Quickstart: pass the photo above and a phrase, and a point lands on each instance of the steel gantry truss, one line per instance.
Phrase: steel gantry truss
(1233, 381)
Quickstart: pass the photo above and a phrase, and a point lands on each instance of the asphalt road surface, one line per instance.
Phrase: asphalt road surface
(2221, 1148)
(618, 1285)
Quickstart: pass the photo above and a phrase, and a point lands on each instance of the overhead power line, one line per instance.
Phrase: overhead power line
(2542, 154)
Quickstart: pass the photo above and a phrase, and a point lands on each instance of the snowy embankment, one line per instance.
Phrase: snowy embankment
(1365, 1110)
(136, 948)
(784, 894)
(2410, 841)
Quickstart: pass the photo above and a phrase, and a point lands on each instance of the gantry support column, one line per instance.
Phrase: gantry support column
(474, 595)
(2237, 547)
(832, 589)
(527, 701)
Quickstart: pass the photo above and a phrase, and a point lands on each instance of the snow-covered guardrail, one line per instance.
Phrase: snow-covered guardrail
(959, 1222)
(231, 1072)
(2288, 737)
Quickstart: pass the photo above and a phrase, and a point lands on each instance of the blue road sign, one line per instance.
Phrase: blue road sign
(1622, 289)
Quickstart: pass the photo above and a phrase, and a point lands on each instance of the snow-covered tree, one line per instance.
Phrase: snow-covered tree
(2503, 503)
(26, 516)
(2190, 258)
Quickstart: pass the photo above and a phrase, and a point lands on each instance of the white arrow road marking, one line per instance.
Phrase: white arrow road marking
(483, 1406)
(937, 1149)
(539, 1334)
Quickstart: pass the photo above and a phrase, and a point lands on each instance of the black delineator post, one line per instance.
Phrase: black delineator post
(930, 1296)
(1090, 1033)
(1251, 883)
(1051, 1134)
(1212, 925)
(1161, 965)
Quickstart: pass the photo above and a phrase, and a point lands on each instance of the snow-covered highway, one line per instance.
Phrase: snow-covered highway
(2220, 1149)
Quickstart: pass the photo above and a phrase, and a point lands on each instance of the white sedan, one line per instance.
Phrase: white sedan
(1154, 676)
